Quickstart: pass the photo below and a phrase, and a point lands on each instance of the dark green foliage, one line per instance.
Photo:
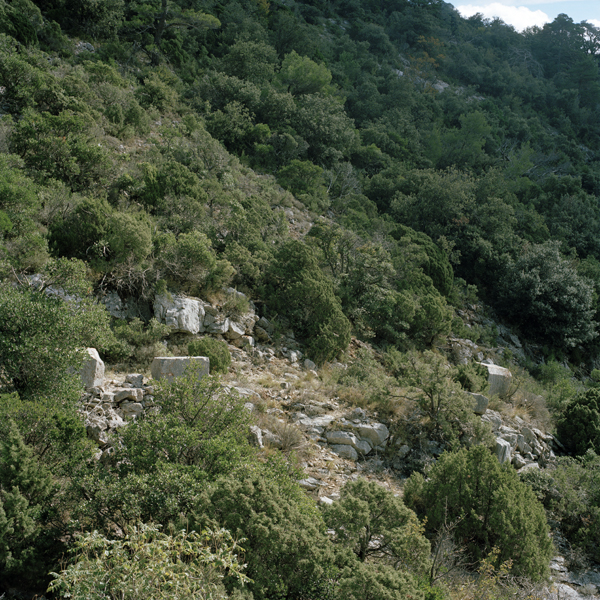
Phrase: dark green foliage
(490, 506)
(306, 181)
(437, 390)
(377, 582)
(542, 292)
(435, 263)
(377, 527)
(148, 563)
(570, 494)
(114, 499)
(26, 489)
(473, 377)
(579, 426)
(54, 431)
(298, 290)
(59, 146)
(42, 337)
(215, 350)
(189, 262)
(288, 553)
(199, 425)
(20, 19)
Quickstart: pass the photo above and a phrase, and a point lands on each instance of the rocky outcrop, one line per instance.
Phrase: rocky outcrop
(521, 443)
(169, 367)
(180, 313)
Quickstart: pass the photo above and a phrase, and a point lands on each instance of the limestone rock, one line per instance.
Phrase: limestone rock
(309, 365)
(310, 483)
(499, 379)
(270, 438)
(503, 450)
(216, 327)
(403, 451)
(135, 379)
(135, 394)
(171, 367)
(92, 371)
(375, 433)
(235, 331)
(255, 436)
(480, 403)
(132, 410)
(180, 313)
(261, 334)
(345, 451)
(341, 437)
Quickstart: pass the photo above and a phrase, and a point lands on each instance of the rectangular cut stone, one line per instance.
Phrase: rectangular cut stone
(92, 371)
(169, 367)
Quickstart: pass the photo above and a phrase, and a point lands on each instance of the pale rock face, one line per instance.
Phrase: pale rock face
(503, 450)
(179, 313)
(135, 394)
(167, 367)
(92, 372)
(235, 331)
(345, 451)
(341, 437)
(499, 379)
(255, 436)
(221, 327)
(132, 410)
(375, 433)
(480, 403)
(135, 379)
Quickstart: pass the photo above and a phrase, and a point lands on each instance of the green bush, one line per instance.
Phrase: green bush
(570, 494)
(147, 563)
(199, 425)
(542, 293)
(579, 427)
(489, 506)
(26, 491)
(215, 350)
(42, 339)
(288, 553)
(377, 527)
(298, 290)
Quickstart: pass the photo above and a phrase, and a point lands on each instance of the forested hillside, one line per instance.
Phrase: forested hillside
(361, 170)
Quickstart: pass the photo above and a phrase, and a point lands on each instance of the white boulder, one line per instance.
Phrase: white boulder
(92, 371)
(180, 313)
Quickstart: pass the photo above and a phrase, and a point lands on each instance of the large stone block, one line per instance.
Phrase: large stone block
(179, 313)
(499, 379)
(167, 367)
(503, 451)
(375, 433)
(92, 371)
(480, 403)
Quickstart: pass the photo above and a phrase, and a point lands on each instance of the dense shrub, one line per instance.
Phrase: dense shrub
(148, 563)
(543, 294)
(377, 527)
(489, 506)
(41, 339)
(579, 427)
(297, 289)
(200, 425)
(570, 494)
(215, 350)
(288, 553)
(26, 490)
